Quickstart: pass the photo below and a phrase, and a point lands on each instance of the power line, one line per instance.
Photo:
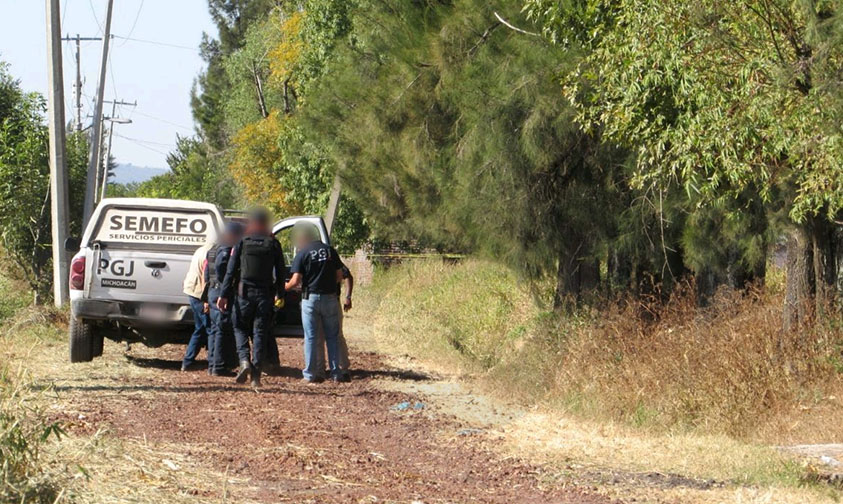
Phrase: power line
(111, 71)
(165, 121)
(139, 144)
(162, 144)
(64, 11)
(154, 42)
(94, 12)
(134, 23)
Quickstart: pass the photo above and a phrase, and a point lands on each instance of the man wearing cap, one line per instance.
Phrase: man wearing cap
(317, 269)
(256, 269)
(221, 333)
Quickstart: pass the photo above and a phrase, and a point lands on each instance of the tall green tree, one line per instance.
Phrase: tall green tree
(25, 188)
(735, 101)
(449, 126)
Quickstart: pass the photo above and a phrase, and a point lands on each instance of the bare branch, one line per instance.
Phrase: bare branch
(515, 28)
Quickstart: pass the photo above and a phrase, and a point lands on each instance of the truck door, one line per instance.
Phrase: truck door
(288, 319)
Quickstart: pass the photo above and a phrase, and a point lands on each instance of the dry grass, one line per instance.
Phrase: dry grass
(724, 369)
(74, 468)
(727, 369)
(27, 472)
(672, 388)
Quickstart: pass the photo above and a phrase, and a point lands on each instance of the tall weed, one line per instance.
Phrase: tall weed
(727, 368)
(25, 474)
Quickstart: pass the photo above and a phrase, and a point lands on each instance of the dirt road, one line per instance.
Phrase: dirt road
(294, 442)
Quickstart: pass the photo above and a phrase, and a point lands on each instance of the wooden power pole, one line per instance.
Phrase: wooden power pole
(78, 85)
(58, 162)
(96, 130)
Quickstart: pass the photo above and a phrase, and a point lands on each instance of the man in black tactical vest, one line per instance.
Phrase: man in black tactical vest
(257, 269)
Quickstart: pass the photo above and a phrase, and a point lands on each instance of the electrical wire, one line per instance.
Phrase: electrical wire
(154, 42)
(165, 121)
(134, 24)
(64, 12)
(143, 146)
(111, 73)
(97, 19)
(162, 144)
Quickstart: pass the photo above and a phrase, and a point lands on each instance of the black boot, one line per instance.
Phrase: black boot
(256, 378)
(243, 372)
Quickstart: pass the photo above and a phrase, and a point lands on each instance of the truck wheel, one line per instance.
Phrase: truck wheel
(98, 340)
(81, 341)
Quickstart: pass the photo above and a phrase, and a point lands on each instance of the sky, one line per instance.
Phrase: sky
(157, 69)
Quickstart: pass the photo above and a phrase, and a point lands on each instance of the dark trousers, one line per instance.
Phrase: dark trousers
(253, 315)
(199, 338)
(221, 346)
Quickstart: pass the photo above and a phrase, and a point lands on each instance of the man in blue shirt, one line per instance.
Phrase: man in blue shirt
(257, 270)
(318, 270)
(221, 335)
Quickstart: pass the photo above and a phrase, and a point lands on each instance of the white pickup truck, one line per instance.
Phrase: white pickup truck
(127, 272)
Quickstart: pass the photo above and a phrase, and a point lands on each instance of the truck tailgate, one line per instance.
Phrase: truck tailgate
(137, 275)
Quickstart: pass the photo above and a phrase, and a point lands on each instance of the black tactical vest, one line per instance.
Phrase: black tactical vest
(257, 259)
(212, 266)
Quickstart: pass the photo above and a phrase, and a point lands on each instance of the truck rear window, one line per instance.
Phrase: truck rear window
(155, 226)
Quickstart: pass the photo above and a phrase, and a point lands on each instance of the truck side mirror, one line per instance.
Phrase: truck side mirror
(71, 245)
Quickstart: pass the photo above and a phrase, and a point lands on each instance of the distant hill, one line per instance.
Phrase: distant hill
(127, 173)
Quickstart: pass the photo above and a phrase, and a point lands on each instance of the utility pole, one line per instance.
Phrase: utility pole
(102, 174)
(58, 161)
(96, 130)
(78, 90)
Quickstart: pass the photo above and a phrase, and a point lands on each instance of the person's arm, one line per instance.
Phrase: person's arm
(280, 271)
(206, 268)
(231, 272)
(295, 269)
(294, 282)
(338, 265)
(349, 288)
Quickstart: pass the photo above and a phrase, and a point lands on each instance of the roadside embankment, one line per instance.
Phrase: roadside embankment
(700, 392)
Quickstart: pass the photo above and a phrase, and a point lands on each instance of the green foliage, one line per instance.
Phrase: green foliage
(448, 126)
(129, 190)
(208, 97)
(269, 66)
(25, 187)
(194, 175)
(723, 97)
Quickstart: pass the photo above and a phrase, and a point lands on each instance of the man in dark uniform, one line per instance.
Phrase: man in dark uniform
(317, 269)
(221, 335)
(257, 270)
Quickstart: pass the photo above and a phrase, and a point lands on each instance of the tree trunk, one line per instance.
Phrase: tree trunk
(575, 274)
(824, 244)
(567, 282)
(799, 290)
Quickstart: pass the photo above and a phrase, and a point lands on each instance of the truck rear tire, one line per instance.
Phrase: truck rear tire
(81, 340)
(98, 341)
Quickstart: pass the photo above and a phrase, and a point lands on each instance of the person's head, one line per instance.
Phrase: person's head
(258, 222)
(304, 233)
(232, 233)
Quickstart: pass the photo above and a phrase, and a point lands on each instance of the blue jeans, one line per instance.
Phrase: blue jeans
(199, 338)
(321, 309)
(220, 336)
(253, 316)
